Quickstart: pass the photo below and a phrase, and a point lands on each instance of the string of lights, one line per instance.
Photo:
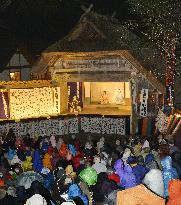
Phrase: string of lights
(162, 24)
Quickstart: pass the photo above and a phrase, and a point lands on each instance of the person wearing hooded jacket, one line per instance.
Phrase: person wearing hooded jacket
(176, 162)
(105, 190)
(88, 177)
(137, 147)
(109, 189)
(38, 189)
(168, 173)
(150, 162)
(156, 157)
(127, 177)
(75, 191)
(174, 189)
(126, 154)
(138, 170)
(21, 195)
(59, 186)
(36, 199)
(6, 198)
(37, 162)
(98, 165)
(154, 181)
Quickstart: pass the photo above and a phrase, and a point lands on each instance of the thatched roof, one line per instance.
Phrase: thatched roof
(95, 32)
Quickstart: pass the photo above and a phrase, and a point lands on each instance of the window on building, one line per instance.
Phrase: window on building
(15, 76)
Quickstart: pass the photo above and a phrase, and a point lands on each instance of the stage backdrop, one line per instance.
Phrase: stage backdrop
(4, 105)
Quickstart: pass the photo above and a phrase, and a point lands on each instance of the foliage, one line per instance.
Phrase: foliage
(161, 19)
(159, 24)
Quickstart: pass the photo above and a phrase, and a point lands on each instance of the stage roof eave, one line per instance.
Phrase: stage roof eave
(48, 60)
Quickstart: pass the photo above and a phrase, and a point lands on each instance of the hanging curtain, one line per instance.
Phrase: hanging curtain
(75, 89)
(145, 126)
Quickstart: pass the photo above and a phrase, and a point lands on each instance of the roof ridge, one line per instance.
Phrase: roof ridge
(98, 15)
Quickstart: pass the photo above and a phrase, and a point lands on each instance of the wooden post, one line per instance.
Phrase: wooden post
(63, 97)
(133, 118)
(124, 90)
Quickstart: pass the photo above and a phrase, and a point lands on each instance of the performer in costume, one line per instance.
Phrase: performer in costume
(104, 98)
(119, 97)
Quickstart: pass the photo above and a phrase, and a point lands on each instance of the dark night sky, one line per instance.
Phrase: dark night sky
(35, 24)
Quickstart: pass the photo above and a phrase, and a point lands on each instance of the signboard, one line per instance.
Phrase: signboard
(143, 100)
(106, 64)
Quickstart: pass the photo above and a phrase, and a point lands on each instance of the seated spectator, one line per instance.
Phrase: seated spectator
(150, 162)
(172, 147)
(168, 173)
(174, 190)
(138, 170)
(98, 166)
(127, 177)
(154, 181)
(176, 162)
(36, 199)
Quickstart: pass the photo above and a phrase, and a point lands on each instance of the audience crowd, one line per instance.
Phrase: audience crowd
(53, 170)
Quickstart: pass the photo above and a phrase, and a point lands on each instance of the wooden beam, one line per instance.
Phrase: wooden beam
(25, 84)
(113, 77)
(87, 10)
(107, 54)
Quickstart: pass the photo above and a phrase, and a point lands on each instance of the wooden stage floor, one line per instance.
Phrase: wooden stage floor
(109, 109)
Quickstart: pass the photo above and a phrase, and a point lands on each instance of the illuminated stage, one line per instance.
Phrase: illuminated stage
(110, 109)
(122, 110)
(101, 83)
(101, 98)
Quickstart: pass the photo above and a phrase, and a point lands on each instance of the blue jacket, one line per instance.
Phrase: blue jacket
(48, 181)
(44, 147)
(168, 173)
(74, 191)
(150, 162)
(140, 172)
(37, 162)
(11, 153)
(127, 177)
(72, 149)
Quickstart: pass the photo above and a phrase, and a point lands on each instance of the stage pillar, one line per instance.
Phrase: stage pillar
(63, 97)
(133, 118)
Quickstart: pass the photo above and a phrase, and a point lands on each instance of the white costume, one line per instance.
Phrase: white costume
(118, 97)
